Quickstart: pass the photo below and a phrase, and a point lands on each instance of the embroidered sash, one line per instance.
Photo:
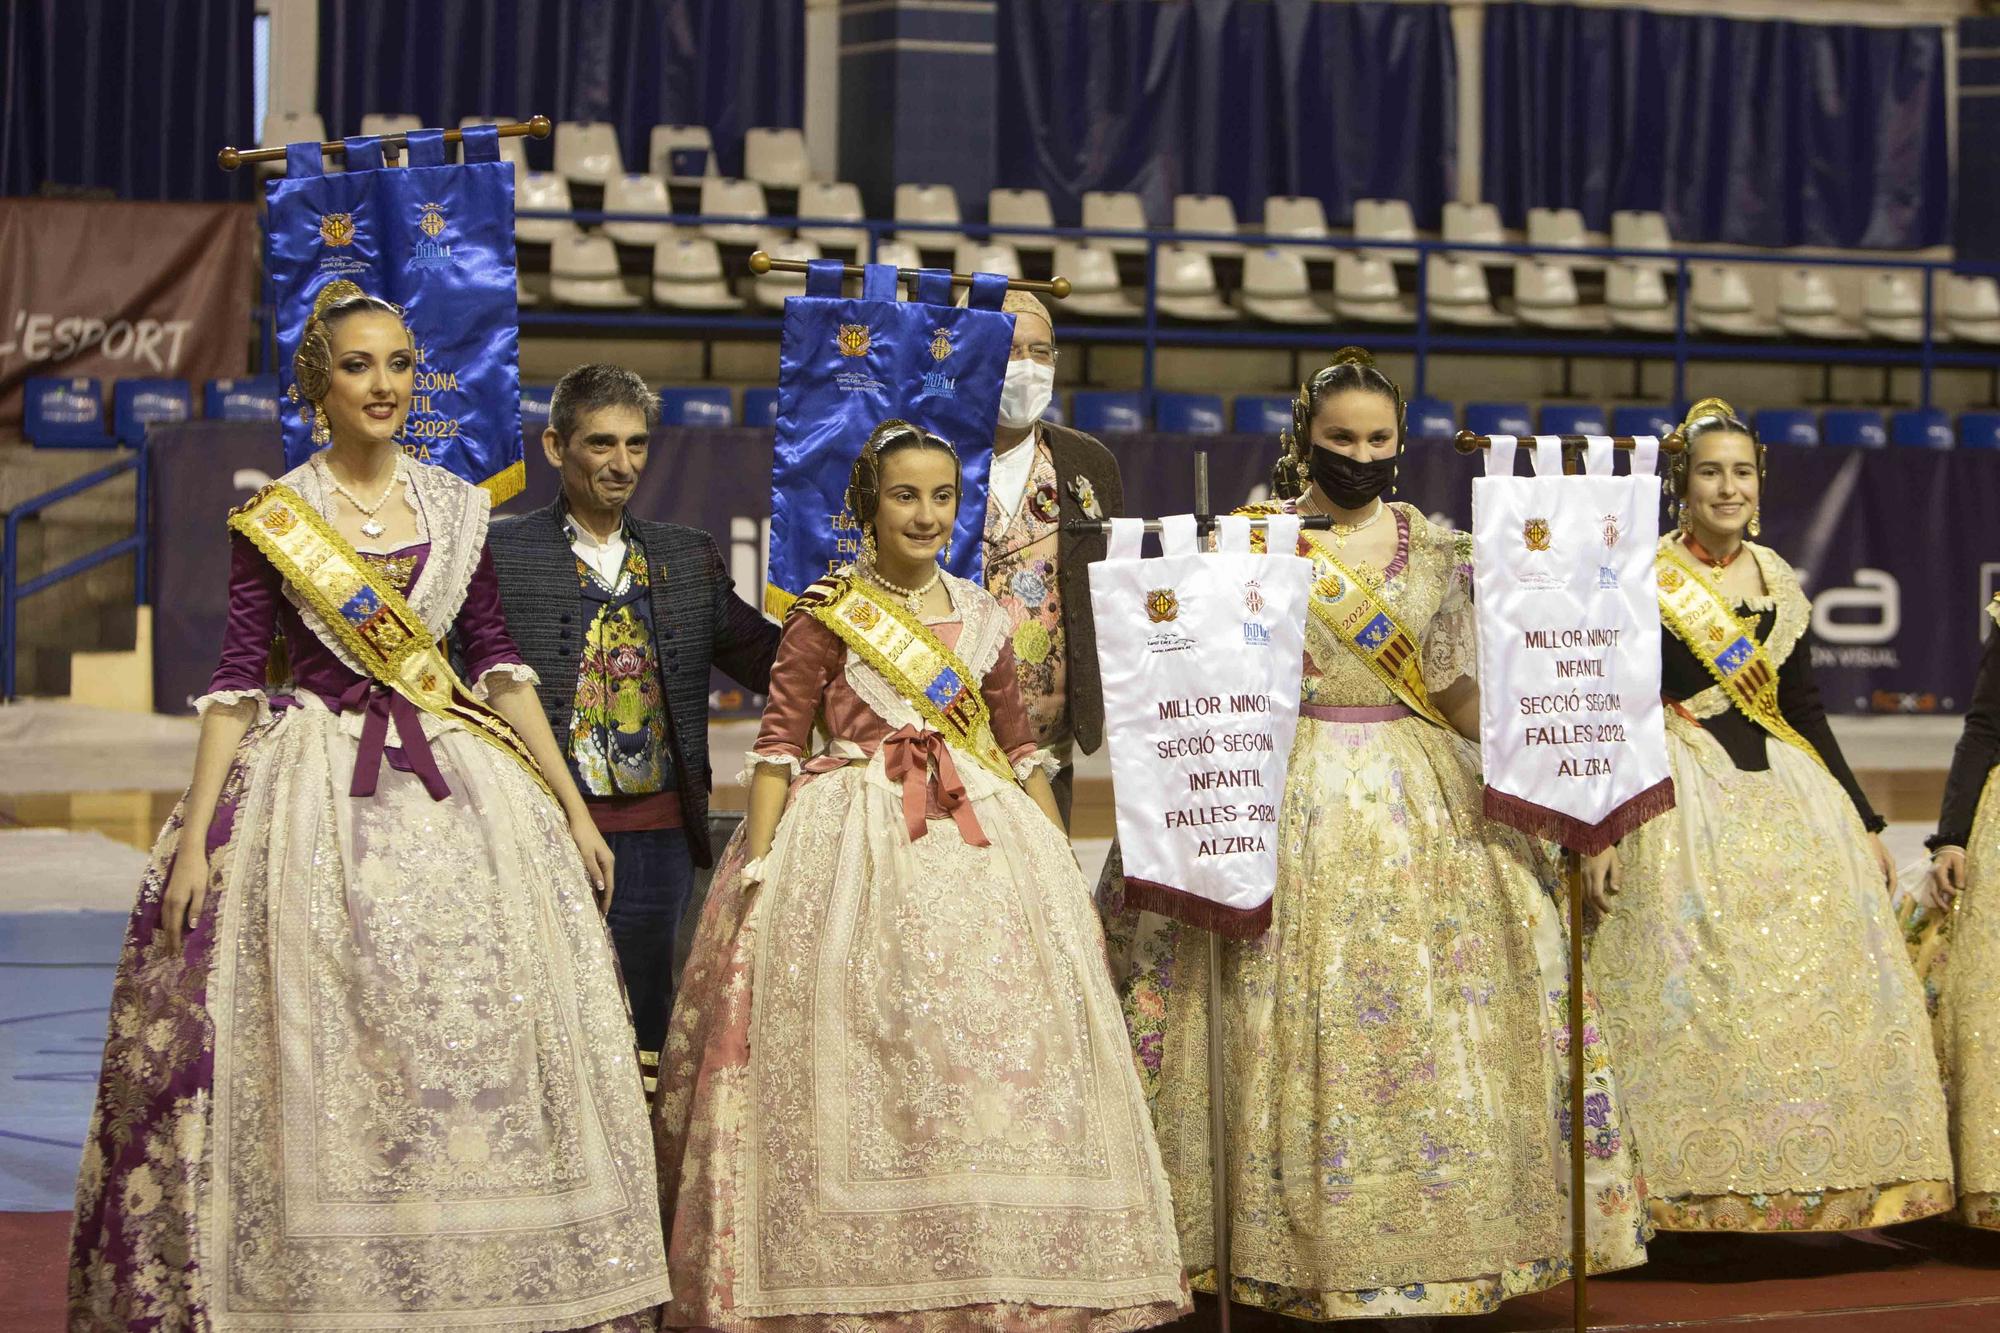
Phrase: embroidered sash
(1701, 617)
(934, 680)
(370, 618)
(1347, 610)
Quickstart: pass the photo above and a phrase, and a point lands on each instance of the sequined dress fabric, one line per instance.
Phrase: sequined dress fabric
(391, 1084)
(896, 1092)
(1769, 1028)
(1396, 1043)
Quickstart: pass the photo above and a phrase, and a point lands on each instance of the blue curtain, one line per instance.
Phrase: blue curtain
(1747, 132)
(125, 96)
(1246, 98)
(726, 64)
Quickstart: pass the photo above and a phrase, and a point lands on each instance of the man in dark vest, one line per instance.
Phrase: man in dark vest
(622, 619)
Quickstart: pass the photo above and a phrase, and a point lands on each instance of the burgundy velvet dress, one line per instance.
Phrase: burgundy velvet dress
(389, 1084)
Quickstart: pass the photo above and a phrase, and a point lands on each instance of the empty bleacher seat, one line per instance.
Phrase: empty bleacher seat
(64, 413)
(1499, 419)
(1260, 414)
(535, 400)
(681, 154)
(1633, 229)
(707, 406)
(1185, 286)
(1545, 296)
(1807, 307)
(1573, 419)
(773, 156)
(1972, 309)
(1094, 290)
(760, 407)
(1431, 419)
(637, 194)
(897, 254)
(1021, 208)
(1457, 294)
(1188, 413)
(1635, 298)
(1364, 288)
(1921, 428)
(1853, 428)
(1106, 412)
(771, 289)
(583, 271)
(830, 203)
(1476, 224)
(1892, 308)
(1276, 288)
(139, 404)
(587, 152)
(1385, 220)
(1721, 303)
(1298, 215)
(987, 257)
(1787, 425)
(542, 191)
(928, 203)
(687, 274)
(1211, 214)
(524, 295)
(1558, 229)
(1657, 422)
(1979, 430)
(732, 197)
(251, 398)
(1115, 210)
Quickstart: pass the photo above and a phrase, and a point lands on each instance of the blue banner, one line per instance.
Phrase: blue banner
(436, 239)
(844, 367)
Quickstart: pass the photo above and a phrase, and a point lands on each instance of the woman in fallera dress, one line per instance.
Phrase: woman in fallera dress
(896, 1092)
(1965, 880)
(1770, 1032)
(1397, 1040)
(369, 1067)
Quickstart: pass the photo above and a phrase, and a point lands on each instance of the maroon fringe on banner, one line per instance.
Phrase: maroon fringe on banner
(1567, 830)
(1235, 923)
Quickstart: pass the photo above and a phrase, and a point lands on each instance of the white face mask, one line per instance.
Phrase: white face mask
(1026, 395)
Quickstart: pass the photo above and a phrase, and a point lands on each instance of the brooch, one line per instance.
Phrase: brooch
(1046, 504)
(1086, 496)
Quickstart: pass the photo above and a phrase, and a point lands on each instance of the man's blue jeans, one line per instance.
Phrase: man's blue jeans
(654, 875)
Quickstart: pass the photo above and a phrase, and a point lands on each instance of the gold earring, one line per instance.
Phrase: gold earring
(868, 544)
(1757, 521)
(321, 434)
(947, 548)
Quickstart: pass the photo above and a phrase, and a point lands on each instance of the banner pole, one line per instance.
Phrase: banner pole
(1578, 1246)
(1218, 1121)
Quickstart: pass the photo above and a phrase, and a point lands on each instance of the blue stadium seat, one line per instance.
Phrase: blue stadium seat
(1979, 430)
(1261, 414)
(1925, 428)
(1107, 412)
(251, 399)
(1786, 425)
(1499, 419)
(1572, 419)
(137, 405)
(535, 400)
(64, 414)
(1655, 421)
(1188, 413)
(696, 407)
(1853, 428)
(1430, 419)
(760, 407)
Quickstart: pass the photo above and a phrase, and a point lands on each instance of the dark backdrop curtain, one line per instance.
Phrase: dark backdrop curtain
(125, 96)
(1749, 132)
(1246, 98)
(726, 64)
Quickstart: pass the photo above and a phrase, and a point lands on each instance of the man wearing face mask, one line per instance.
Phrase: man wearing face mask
(1045, 475)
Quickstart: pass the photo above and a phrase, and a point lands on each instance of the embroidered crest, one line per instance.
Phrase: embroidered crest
(278, 520)
(940, 344)
(336, 228)
(1253, 597)
(432, 221)
(1162, 605)
(1611, 532)
(853, 339)
(1671, 580)
(1535, 534)
(1086, 496)
(863, 614)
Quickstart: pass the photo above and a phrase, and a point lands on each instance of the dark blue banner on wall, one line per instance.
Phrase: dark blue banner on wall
(1741, 131)
(725, 64)
(1246, 98)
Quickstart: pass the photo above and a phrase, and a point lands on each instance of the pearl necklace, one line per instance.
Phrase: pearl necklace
(370, 527)
(913, 598)
(1340, 532)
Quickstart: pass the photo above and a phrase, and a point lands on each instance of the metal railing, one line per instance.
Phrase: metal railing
(1422, 335)
(13, 590)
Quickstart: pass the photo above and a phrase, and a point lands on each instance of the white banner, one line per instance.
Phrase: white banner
(1572, 736)
(1200, 656)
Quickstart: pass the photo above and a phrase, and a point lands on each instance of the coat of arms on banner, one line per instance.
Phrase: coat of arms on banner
(337, 228)
(1162, 605)
(1535, 534)
(853, 340)
(940, 344)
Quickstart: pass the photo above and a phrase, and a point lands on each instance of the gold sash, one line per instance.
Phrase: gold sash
(1701, 617)
(1347, 610)
(369, 617)
(939, 685)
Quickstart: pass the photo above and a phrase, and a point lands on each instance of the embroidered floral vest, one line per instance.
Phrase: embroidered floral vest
(618, 732)
(1021, 575)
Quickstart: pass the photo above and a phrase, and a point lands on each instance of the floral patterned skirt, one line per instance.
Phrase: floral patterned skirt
(1969, 1019)
(389, 1085)
(896, 1092)
(1397, 1061)
(1769, 1029)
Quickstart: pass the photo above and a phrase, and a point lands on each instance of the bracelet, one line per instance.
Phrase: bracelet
(1948, 847)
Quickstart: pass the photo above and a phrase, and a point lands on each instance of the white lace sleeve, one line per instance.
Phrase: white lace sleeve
(754, 759)
(1024, 768)
(230, 698)
(519, 671)
(1451, 641)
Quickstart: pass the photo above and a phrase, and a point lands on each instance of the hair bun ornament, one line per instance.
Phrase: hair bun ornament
(1353, 356)
(1717, 409)
(340, 289)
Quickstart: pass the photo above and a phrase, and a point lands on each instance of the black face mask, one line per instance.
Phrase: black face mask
(1349, 482)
